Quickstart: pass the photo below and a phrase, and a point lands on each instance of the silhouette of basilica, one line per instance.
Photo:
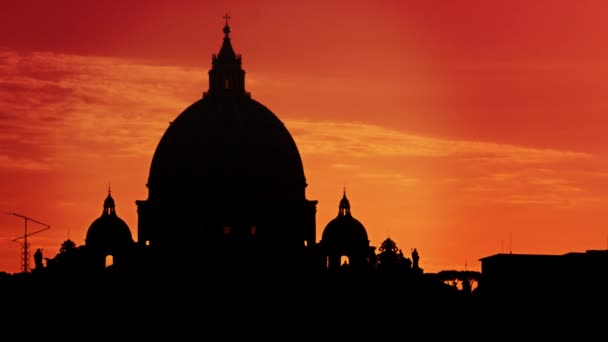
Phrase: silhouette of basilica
(226, 185)
(227, 201)
(227, 193)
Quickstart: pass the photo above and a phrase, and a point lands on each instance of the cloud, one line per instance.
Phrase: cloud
(479, 172)
(534, 186)
(365, 140)
(59, 106)
(393, 178)
(53, 101)
(13, 163)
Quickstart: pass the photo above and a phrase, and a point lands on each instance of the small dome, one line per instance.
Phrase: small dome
(109, 232)
(344, 232)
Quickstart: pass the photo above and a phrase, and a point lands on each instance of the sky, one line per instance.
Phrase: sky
(460, 128)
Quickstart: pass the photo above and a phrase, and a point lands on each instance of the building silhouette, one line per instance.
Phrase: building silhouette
(344, 242)
(226, 185)
(574, 279)
(227, 246)
(109, 237)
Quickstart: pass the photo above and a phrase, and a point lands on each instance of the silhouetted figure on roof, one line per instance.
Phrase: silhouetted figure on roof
(38, 259)
(415, 258)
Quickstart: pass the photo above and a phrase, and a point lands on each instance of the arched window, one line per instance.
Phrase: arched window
(109, 260)
(344, 261)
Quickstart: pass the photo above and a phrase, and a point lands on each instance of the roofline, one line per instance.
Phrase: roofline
(502, 255)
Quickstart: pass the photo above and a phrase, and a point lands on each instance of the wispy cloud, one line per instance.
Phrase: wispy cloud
(57, 108)
(52, 101)
(55, 105)
(533, 186)
(11, 162)
(482, 172)
(363, 140)
(393, 178)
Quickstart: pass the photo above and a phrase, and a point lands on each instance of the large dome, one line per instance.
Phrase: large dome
(226, 183)
(223, 149)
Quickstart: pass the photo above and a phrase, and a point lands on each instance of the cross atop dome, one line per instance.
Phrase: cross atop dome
(226, 76)
(226, 27)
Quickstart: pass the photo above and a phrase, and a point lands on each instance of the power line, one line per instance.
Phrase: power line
(26, 254)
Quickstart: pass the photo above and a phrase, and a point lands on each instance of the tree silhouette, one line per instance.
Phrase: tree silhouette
(466, 278)
(68, 258)
(390, 257)
(68, 246)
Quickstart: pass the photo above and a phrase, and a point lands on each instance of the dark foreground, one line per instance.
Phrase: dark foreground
(251, 307)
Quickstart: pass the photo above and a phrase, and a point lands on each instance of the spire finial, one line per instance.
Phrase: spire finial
(226, 27)
(108, 204)
(344, 208)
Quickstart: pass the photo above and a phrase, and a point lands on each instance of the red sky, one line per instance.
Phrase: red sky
(460, 128)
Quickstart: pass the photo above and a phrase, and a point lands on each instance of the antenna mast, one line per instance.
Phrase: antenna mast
(26, 253)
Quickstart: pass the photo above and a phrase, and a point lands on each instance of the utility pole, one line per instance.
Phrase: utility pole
(26, 253)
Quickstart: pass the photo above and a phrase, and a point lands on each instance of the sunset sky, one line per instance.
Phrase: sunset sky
(460, 128)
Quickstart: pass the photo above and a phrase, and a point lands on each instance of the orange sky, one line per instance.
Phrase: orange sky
(461, 128)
